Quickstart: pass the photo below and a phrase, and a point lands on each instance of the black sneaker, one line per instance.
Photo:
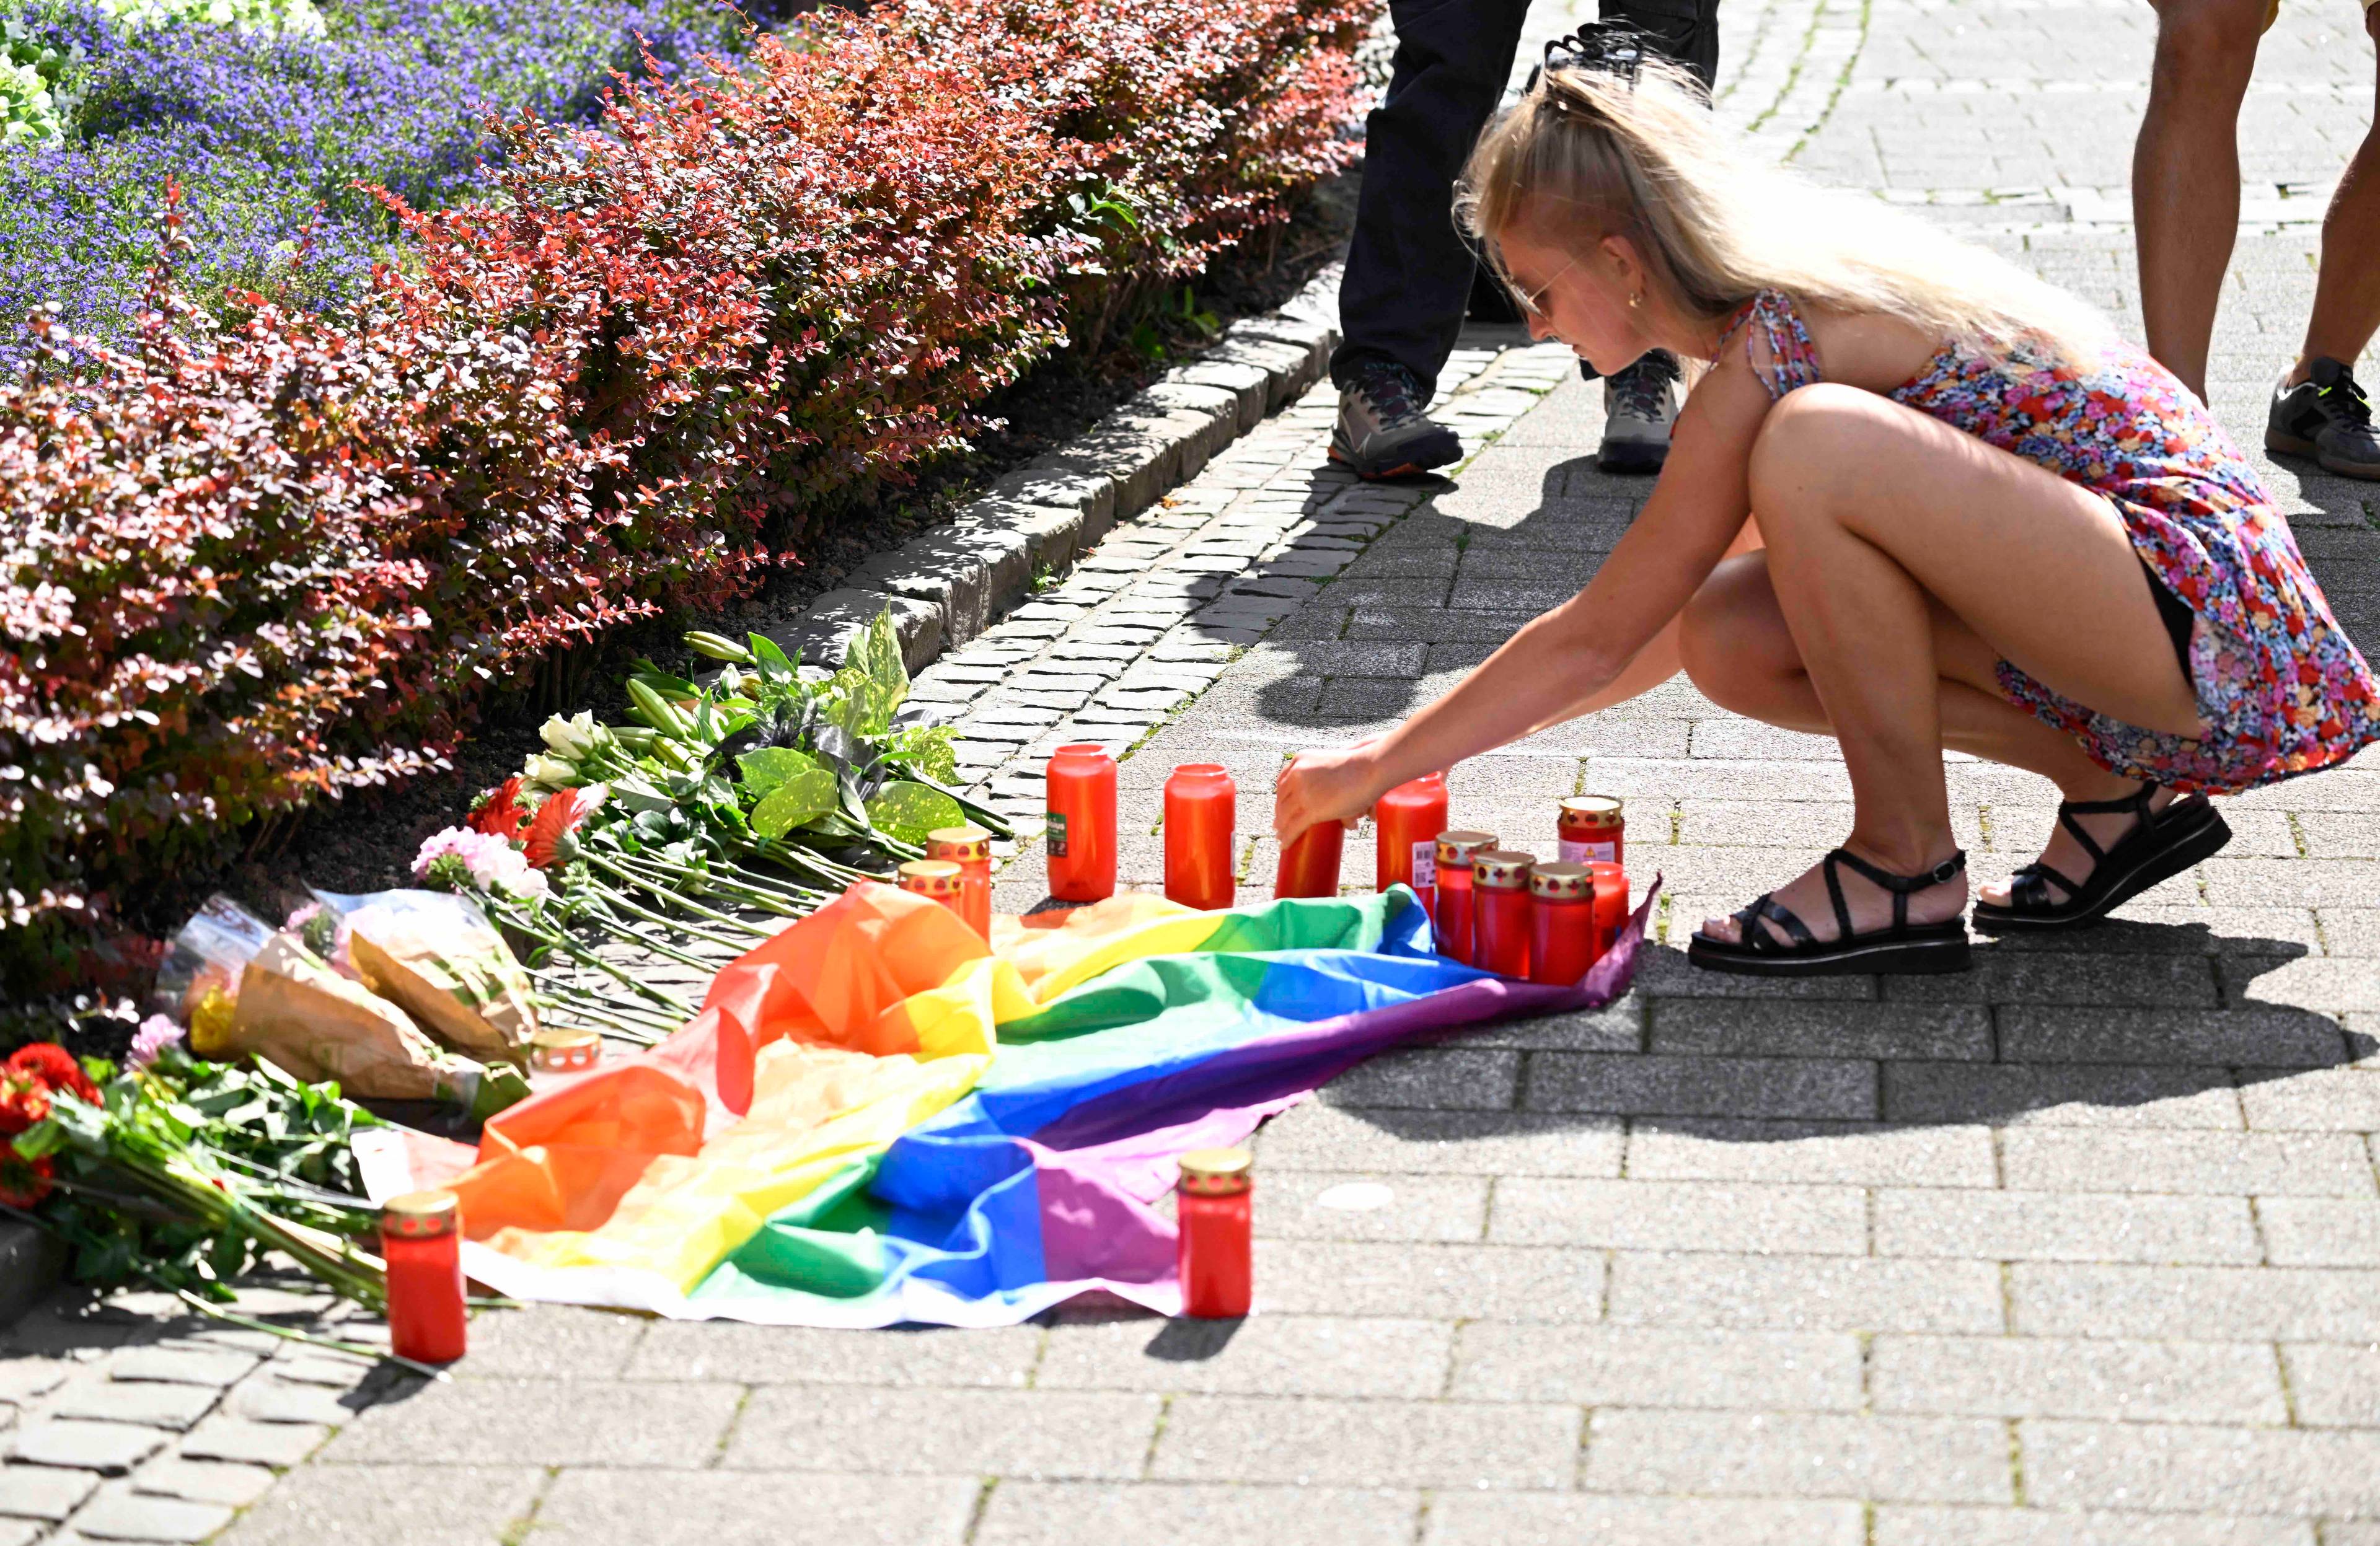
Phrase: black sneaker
(2325, 417)
(1382, 431)
(1640, 403)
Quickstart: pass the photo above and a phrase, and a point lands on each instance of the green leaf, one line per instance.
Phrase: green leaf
(774, 667)
(878, 655)
(771, 766)
(909, 811)
(800, 799)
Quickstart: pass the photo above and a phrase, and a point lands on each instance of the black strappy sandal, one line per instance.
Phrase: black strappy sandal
(2164, 843)
(1903, 948)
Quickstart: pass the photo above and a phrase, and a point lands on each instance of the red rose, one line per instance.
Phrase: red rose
(56, 1068)
(24, 1099)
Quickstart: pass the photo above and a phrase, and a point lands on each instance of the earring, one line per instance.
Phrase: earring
(1635, 300)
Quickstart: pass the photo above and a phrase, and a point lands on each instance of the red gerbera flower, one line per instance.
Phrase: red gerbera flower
(54, 1066)
(23, 1182)
(564, 812)
(24, 1099)
(499, 811)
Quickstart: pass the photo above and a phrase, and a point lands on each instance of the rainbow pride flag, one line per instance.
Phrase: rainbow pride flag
(875, 1119)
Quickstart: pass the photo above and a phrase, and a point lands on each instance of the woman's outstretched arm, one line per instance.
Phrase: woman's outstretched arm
(1581, 655)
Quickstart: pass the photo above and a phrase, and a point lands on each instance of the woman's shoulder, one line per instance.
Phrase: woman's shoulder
(1869, 349)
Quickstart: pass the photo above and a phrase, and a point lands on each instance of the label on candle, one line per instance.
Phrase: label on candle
(1425, 864)
(1056, 834)
(1587, 854)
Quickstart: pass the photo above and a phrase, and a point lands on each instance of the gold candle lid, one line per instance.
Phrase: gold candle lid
(930, 878)
(1501, 869)
(960, 845)
(1596, 813)
(564, 1038)
(421, 1215)
(1562, 882)
(1216, 1172)
(1460, 847)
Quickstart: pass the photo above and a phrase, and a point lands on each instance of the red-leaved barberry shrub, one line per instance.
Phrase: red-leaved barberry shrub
(245, 567)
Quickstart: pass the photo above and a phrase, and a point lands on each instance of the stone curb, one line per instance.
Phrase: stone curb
(947, 585)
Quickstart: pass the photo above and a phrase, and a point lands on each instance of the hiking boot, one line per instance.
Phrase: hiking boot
(1382, 431)
(2325, 417)
(1639, 405)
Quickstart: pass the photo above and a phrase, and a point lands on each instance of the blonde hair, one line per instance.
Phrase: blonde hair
(1588, 155)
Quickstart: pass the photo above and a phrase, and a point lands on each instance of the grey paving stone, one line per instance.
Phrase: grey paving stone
(260, 1444)
(2210, 1469)
(1064, 1514)
(2023, 1376)
(1665, 1086)
(602, 1507)
(184, 1366)
(1805, 1293)
(1428, 1282)
(120, 1513)
(2234, 1164)
(31, 1492)
(2339, 1100)
(441, 1505)
(1732, 1027)
(1265, 1355)
(1614, 1028)
(1913, 1524)
(2064, 1226)
(24, 1377)
(151, 1404)
(996, 1355)
(2334, 1384)
(2073, 1095)
(2320, 1231)
(1552, 1519)
(2035, 976)
(1318, 1137)
(1881, 1458)
(2257, 1036)
(20, 1532)
(269, 1400)
(541, 1422)
(1361, 1205)
(1638, 1366)
(1310, 1441)
(2264, 1303)
(110, 1448)
(203, 1482)
(1439, 1078)
(996, 1432)
(1682, 1216)
(1850, 1153)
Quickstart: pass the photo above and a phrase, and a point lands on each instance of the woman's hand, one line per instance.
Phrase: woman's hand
(1338, 783)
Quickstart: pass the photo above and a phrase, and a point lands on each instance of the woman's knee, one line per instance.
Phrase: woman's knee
(1731, 638)
(1810, 448)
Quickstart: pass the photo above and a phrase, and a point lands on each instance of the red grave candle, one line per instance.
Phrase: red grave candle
(1212, 1212)
(970, 849)
(1080, 810)
(1309, 862)
(421, 1242)
(1593, 828)
(1611, 904)
(1409, 819)
(937, 880)
(1561, 923)
(1499, 903)
(1201, 809)
(1450, 910)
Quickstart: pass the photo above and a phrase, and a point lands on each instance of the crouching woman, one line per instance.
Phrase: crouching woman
(1920, 499)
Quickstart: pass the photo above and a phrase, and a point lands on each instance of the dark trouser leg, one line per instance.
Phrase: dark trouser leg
(1408, 269)
(1683, 32)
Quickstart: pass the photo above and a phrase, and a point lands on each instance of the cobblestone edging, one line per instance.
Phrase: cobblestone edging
(134, 1419)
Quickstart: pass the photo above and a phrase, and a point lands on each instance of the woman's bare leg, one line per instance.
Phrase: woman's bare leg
(1874, 514)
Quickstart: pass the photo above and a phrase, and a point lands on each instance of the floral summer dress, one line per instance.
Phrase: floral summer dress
(2282, 689)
